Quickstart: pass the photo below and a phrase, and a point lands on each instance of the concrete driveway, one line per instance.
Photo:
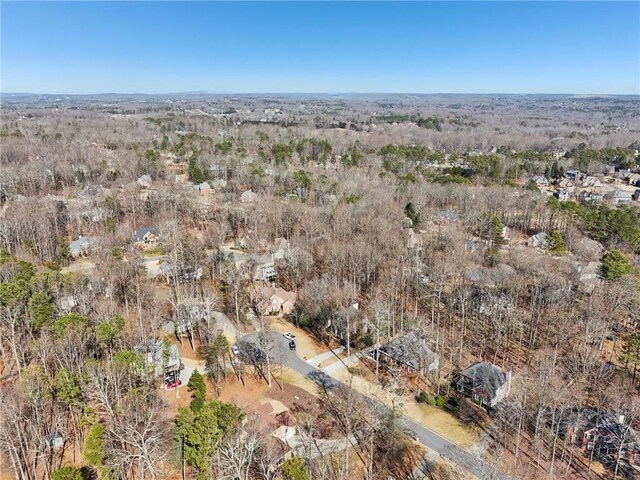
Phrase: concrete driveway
(279, 352)
(152, 265)
(185, 374)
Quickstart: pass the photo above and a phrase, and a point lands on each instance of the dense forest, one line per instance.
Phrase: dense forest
(134, 231)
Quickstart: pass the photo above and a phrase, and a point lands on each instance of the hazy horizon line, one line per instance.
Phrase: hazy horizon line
(203, 92)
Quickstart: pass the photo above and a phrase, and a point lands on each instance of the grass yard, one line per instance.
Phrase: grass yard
(442, 422)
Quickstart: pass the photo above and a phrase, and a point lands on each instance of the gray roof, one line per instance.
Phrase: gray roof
(262, 259)
(139, 234)
(144, 180)
(166, 268)
(487, 375)
(410, 350)
(622, 194)
(77, 245)
(539, 179)
(540, 237)
(155, 350)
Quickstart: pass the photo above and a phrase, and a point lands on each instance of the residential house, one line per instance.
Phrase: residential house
(634, 179)
(203, 189)
(174, 274)
(277, 451)
(484, 383)
(273, 421)
(337, 322)
(562, 195)
(589, 273)
(539, 240)
(146, 237)
(573, 175)
(410, 352)
(619, 196)
(144, 181)
(590, 195)
(55, 440)
(540, 180)
(608, 436)
(248, 197)
(591, 181)
(161, 356)
(83, 246)
(275, 301)
(623, 174)
(558, 152)
(264, 268)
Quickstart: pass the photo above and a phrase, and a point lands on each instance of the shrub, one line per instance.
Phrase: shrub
(94, 445)
(556, 243)
(67, 473)
(295, 469)
(198, 390)
(615, 264)
(423, 398)
(356, 371)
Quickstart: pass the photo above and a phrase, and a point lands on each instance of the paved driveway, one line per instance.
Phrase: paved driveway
(279, 352)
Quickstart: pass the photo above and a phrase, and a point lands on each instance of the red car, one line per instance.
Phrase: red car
(172, 384)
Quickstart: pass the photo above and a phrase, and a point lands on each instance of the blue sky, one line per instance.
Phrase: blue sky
(246, 47)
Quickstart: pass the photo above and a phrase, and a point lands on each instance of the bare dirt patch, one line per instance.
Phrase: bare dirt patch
(293, 391)
(233, 391)
(185, 350)
(176, 398)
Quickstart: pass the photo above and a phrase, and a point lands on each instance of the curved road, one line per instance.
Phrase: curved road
(278, 348)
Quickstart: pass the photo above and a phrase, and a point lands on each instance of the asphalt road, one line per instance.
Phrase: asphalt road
(278, 348)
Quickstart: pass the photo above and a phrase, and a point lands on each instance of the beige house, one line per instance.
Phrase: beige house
(146, 238)
(275, 301)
